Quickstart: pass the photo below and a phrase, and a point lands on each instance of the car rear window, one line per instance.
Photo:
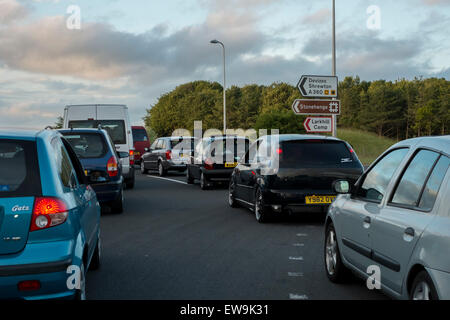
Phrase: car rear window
(236, 146)
(115, 128)
(140, 135)
(19, 170)
(87, 145)
(301, 153)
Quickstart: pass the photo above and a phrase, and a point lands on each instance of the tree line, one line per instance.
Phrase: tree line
(400, 109)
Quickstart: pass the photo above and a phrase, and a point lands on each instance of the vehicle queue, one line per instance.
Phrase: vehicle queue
(53, 186)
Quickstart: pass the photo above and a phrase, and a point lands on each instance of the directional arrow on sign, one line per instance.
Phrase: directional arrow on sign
(306, 124)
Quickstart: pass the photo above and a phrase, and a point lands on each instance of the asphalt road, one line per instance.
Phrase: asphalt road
(175, 241)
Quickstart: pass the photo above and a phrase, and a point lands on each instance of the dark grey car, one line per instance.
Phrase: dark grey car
(396, 219)
(168, 153)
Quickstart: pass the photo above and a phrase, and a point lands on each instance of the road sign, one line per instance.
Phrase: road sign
(318, 124)
(317, 107)
(318, 86)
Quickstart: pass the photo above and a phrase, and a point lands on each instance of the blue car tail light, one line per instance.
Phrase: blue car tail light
(48, 212)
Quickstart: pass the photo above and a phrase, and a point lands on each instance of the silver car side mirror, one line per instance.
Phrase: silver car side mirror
(341, 186)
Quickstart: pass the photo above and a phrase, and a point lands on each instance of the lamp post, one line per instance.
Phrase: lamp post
(334, 59)
(224, 88)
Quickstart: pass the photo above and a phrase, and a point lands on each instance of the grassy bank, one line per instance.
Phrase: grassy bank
(368, 146)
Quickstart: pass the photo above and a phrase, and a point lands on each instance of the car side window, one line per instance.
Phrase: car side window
(63, 164)
(375, 183)
(264, 151)
(250, 156)
(434, 184)
(160, 144)
(154, 144)
(412, 181)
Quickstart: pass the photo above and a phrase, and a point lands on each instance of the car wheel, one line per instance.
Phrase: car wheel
(143, 170)
(189, 178)
(423, 288)
(80, 294)
(162, 172)
(117, 205)
(96, 258)
(231, 190)
(204, 184)
(335, 269)
(260, 210)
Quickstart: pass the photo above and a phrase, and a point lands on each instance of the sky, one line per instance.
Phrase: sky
(133, 51)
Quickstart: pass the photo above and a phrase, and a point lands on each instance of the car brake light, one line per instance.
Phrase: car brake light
(48, 212)
(29, 285)
(209, 165)
(168, 154)
(279, 151)
(131, 157)
(112, 167)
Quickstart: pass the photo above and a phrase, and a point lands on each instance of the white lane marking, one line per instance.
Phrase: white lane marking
(295, 274)
(302, 234)
(296, 258)
(298, 244)
(173, 180)
(294, 296)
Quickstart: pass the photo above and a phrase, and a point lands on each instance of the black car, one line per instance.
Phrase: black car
(168, 153)
(215, 158)
(292, 174)
(101, 164)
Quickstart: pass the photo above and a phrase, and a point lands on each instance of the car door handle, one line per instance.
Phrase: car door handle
(367, 221)
(410, 232)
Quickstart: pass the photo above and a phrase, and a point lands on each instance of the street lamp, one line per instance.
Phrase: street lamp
(333, 55)
(224, 88)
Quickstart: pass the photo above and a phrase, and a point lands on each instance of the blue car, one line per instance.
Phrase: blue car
(49, 218)
(101, 164)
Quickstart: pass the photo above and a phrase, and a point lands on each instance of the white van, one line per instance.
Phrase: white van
(114, 119)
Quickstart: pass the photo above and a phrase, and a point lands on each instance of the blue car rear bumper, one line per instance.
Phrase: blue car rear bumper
(44, 262)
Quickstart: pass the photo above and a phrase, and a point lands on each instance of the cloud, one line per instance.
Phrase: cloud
(436, 2)
(44, 66)
(318, 17)
(11, 10)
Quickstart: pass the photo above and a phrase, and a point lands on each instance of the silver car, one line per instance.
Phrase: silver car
(393, 226)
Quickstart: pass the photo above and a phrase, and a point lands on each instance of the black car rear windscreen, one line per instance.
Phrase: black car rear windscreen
(313, 153)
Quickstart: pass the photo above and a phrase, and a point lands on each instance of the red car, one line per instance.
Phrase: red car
(141, 141)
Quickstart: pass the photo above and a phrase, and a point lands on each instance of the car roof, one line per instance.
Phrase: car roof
(24, 134)
(291, 137)
(440, 143)
(82, 130)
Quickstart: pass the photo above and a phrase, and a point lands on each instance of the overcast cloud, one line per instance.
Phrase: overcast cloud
(44, 65)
